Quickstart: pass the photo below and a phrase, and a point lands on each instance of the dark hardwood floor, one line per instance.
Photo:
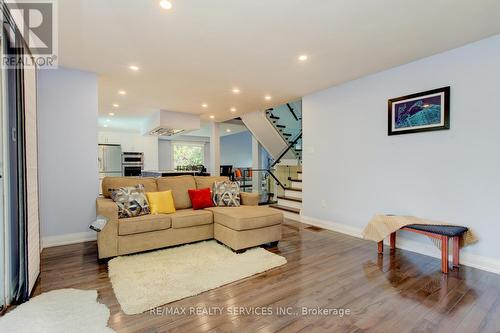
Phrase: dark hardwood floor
(401, 292)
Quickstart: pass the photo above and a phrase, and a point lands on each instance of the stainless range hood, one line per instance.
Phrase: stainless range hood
(168, 123)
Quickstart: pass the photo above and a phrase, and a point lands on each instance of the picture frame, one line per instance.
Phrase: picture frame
(421, 112)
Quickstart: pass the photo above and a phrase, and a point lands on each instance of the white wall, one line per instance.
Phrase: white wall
(358, 170)
(134, 142)
(164, 155)
(67, 125)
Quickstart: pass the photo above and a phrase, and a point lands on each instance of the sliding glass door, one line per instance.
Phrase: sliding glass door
(14, 190)
(2, 198)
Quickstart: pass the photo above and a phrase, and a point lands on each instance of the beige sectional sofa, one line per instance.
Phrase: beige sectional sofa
(238, 227)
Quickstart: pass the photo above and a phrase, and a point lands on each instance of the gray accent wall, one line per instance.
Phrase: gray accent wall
(68, 171)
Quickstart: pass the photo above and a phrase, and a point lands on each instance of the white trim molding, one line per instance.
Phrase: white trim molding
(467, 259)
(79, 237)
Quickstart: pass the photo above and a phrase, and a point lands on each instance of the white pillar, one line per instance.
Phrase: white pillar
(256, 164)
(214, 149)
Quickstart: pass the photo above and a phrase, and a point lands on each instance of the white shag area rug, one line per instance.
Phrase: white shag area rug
(62, 310)
(145, 281)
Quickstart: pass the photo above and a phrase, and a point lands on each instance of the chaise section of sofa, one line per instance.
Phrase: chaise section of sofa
(244, 227)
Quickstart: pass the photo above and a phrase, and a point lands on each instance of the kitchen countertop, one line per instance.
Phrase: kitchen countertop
(166, 173)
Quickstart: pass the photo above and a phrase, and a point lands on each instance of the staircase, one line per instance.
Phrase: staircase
(287, 121)
(279, 131)
(291, 200)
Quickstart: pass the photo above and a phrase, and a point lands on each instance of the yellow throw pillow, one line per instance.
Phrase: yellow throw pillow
(161, 202)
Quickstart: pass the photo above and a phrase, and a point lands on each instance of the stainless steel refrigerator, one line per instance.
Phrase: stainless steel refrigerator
(110, 162)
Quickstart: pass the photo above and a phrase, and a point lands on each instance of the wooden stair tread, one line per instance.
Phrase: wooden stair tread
(284, 197)
(293, 189)
(295, 180)
(285, 208)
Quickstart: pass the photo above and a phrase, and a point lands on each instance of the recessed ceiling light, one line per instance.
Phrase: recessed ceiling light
(303, 57)
(236, 91)
(212, 117)
(116, 105)
(228, 130)
(204, 105)
(267, 97)
(111, 114)
(108, 120)
(233, 109)
(165, 4)
(133, 67)
(122, 92)
(105, 125)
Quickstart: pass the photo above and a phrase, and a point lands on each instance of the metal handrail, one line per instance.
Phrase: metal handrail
(269, 171)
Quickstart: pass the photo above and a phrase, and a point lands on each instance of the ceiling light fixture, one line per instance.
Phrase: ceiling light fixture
(111, 114)
(122, 92)
(134, 67)
(105, 125)
(236, 91)
(108, 120)
(116, 105)
(303, 57)
(204, 105)
(233, 110)
(165, 4)
(267, 97)
(212, 117)
(228, 130)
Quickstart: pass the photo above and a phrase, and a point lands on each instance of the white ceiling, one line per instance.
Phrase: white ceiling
(204, 131)
(198, 51)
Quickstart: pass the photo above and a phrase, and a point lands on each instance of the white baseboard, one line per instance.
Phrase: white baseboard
(79, 237)
(468, 259)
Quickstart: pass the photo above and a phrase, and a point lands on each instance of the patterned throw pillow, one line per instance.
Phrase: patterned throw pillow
(131, 201)
(226, 194)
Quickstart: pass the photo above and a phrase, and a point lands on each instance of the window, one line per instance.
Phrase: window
(187, 153)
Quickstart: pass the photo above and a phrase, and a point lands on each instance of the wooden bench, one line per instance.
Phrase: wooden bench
(441, 232)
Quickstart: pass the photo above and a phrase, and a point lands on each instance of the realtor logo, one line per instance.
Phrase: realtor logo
(36, 21)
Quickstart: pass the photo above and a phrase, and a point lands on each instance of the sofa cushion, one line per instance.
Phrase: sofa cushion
(190, 218)
(113, 183)
(179, 185)
(226, 194)
(145, 223)
(208, 181)
(131, 201)
(161, 202)
(246, 217)
(200, 198)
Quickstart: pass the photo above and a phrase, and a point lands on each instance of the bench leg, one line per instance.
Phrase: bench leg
(381, 247)
(456, 251)
(444, 254)
(393, 241)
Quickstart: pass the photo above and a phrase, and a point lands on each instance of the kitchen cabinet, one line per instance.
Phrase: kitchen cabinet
(109, 137)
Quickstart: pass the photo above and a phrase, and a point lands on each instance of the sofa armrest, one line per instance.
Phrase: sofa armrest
(107, 239)
(249, 199)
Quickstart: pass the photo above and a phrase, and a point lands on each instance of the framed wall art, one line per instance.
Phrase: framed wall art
(421, 112)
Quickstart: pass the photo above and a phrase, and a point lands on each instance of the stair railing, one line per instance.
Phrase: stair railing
(287, 149)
